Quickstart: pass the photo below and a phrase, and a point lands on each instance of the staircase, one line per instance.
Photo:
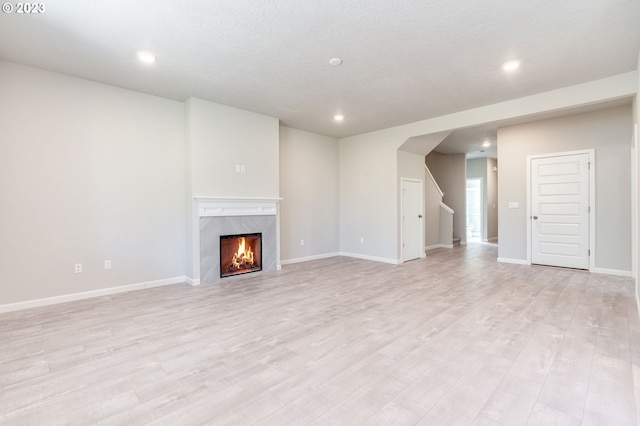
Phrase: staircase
(456, 241)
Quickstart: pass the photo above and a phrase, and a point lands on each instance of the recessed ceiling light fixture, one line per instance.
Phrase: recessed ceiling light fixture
(146, 57)
(338, 117)
(511, 66)
(335, 61)
(486, 144)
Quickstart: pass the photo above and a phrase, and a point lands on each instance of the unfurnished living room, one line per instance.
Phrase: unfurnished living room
(329, 213)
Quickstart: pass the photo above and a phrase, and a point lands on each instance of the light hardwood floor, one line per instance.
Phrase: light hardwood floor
(455, 338)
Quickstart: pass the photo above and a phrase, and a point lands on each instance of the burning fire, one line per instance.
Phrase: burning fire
(243, 258)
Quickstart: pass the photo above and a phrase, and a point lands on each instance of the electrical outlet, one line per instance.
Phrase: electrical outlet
(361, 240)
(301, 242)
(107, 264)
(237, 168)
(77, 268)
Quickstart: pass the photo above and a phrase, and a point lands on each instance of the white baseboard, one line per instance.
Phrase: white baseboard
(436, 246)
(374, 258)
(191, 281)
(514, 261)
(611, 272)
(492, 240)
(309, 258)
(10, 307)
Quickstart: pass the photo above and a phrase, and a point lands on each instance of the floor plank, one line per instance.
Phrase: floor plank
(455, 338)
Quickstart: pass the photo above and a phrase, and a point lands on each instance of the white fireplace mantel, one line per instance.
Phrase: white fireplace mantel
(214, 206)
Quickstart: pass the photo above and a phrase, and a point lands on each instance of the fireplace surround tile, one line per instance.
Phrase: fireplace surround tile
(211, 228)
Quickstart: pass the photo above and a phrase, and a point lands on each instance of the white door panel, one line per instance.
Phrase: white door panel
(412, 224)
(560, 211)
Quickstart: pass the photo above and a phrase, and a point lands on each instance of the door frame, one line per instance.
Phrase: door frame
(592, 200)
(422, 251)
(483, 208)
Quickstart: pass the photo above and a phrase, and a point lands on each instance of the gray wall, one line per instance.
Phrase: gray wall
(450, 173)
(432, 199)
(609, 133)
(88, 172)
(309, 191)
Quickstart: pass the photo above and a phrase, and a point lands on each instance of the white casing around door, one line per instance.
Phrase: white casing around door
(560, 211)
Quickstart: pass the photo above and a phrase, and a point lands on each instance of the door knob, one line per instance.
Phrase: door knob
(419, 216)
(535, 217)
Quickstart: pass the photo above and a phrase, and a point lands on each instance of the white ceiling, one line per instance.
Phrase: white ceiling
(404, 60)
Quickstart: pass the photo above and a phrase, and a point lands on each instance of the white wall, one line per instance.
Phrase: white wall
(217, 138)
(609, 133)
(309, 190)
(88, 173)
(368, 197)
(450, 173)
(222, 137)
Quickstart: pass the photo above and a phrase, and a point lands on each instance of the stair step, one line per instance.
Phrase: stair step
(456, 241)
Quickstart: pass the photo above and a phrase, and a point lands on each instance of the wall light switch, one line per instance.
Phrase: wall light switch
(243, 168)
(301, 242)
(513, 205)
(361, 240)
(107, 264)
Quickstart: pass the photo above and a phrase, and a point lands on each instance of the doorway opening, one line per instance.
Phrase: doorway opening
(475, 218)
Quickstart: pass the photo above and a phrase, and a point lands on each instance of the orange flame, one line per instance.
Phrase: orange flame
(243, 258)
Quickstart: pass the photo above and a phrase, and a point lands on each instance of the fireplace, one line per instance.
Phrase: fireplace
(240, 254)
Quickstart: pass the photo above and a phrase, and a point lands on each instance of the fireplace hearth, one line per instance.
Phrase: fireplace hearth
(240, 254)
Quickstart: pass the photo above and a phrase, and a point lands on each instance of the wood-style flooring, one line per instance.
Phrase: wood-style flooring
(453, 339)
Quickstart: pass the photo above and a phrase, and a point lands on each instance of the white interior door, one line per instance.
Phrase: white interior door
(560, 211)
(412, 221)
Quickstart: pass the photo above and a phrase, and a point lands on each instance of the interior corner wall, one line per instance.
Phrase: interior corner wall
(309, 189)
(450, 173)
(222, 137)
(608, 131)
(88, 173)
(368, 190)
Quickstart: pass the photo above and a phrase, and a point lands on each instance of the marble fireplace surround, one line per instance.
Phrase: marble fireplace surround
(230, 216)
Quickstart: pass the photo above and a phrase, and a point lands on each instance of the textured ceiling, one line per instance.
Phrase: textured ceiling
(404, 60)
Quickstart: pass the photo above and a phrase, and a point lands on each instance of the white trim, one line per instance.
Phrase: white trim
(446, 207)
(616, 272)
(492, 240)
(27, 304)
(435, 246)
(309, 258)
(373, 258)
(514, 261)
(434, 180)
(191, 281)
(592, 199)
(212, 206)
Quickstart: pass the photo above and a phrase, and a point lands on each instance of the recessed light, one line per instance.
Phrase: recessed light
(335, 61)
(511, 66)
(338, 117)
(486, 144)
(146, 57)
